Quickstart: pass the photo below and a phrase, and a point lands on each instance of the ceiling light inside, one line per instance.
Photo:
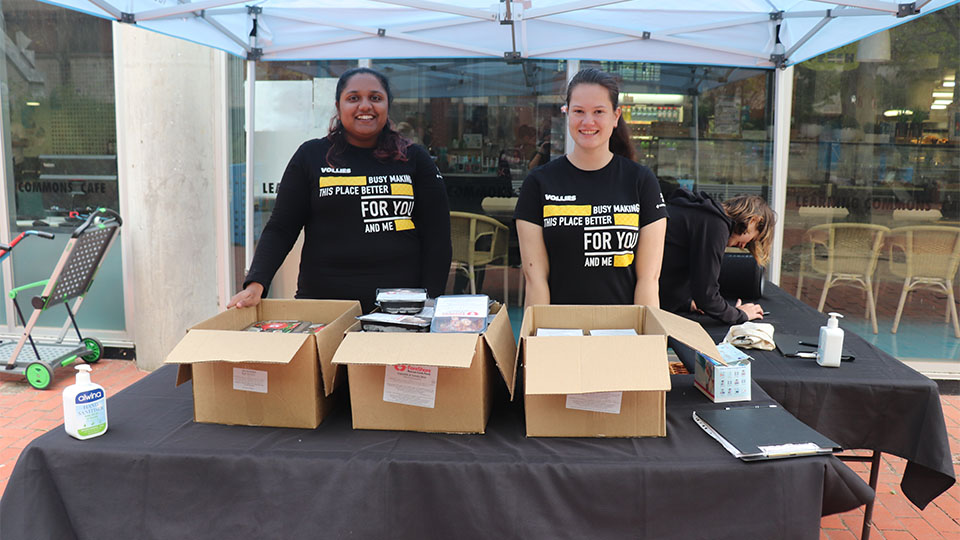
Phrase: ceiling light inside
(897, 112)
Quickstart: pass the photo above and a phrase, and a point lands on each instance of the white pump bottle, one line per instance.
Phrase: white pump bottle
(84, 407)
(830, 345)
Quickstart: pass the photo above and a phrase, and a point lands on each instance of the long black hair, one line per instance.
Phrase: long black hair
(391, 146)
(620, 138)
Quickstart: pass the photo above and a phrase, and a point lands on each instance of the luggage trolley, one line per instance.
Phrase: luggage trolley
(71, 278)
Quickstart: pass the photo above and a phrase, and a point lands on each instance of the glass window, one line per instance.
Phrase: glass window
(486, 123)
(874, 150)
(483, 121)
(61, 155)
(700, 127)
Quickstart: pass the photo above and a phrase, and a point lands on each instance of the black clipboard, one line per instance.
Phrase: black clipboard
(761, 432)
(791, 345)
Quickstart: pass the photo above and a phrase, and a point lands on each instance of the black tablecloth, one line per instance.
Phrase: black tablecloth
(875, 402)
(157, 474)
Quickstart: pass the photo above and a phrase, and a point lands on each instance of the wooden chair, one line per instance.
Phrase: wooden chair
(479, 240)
(926, 257)
(845, 252)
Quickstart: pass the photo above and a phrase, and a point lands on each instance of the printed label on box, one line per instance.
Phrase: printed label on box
(604, 402)
(408, 384)
(250, 380)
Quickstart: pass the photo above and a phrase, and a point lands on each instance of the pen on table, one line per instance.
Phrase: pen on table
(765, 313)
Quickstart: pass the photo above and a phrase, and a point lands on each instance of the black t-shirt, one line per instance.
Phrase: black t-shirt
(591, 222)
(366, 223)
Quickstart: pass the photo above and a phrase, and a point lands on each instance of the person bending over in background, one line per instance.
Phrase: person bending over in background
(698, 233)
(372, 206)
(591, 224)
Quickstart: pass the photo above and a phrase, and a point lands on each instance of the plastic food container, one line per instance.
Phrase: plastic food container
(461, 313)
(390, 322)
(403, 301)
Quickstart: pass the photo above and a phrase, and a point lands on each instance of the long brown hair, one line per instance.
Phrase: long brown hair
(620, 138)
(391, 146)
(741, 209)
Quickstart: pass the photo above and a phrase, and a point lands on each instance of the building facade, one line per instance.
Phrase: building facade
(102, 114)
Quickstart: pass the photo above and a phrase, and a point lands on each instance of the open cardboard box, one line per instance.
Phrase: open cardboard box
(601, 386)
(264, 379)
(447, 378)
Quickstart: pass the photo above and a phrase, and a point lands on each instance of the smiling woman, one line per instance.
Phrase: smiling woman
(372, 206)
(591, 224)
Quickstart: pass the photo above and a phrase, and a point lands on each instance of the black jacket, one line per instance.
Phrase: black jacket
(697, 234)
(367, 224)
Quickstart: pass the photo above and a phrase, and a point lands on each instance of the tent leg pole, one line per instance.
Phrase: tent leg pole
(248, 202)
(782, 109)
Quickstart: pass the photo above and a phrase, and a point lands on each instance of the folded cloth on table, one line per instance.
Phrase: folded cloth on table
(751, 335)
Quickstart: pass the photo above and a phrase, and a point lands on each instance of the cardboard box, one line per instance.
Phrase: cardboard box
(426, 381)
(601, 386)
(264, 379)
(723, 383)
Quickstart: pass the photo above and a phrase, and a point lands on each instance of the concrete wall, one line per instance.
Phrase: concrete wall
(168, 131)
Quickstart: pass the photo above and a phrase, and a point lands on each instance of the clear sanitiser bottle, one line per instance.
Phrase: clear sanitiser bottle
(84, 407)
(830, 346)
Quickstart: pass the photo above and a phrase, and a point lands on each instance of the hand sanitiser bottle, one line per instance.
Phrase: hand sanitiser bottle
(84, 407)
(831, 342)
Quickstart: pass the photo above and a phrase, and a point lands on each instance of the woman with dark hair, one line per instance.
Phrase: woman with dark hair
(699, 232)
(372, 206)
(591, 223)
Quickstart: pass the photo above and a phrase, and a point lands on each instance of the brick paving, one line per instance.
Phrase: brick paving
(894, 517)
(26, 413)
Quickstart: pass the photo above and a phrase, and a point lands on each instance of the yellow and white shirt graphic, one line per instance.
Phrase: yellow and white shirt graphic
(610, 231)
(386, 202)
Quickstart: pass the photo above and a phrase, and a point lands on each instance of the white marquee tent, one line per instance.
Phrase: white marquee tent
(748, 33)
(728, 32)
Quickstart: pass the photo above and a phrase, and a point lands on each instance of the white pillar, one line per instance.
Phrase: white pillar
(573, 67)
(167, 160)
(782, 110)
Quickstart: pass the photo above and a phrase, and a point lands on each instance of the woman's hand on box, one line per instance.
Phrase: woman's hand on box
(248, 297)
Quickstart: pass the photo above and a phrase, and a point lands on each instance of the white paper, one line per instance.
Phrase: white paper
(466, 305)
(250, 380)
(789, 448)
(613, 332)
(409, 384)
(603, 402)
(559, 332)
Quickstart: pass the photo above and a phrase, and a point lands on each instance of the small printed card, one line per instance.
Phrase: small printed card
(250, 380)
(409, 384)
